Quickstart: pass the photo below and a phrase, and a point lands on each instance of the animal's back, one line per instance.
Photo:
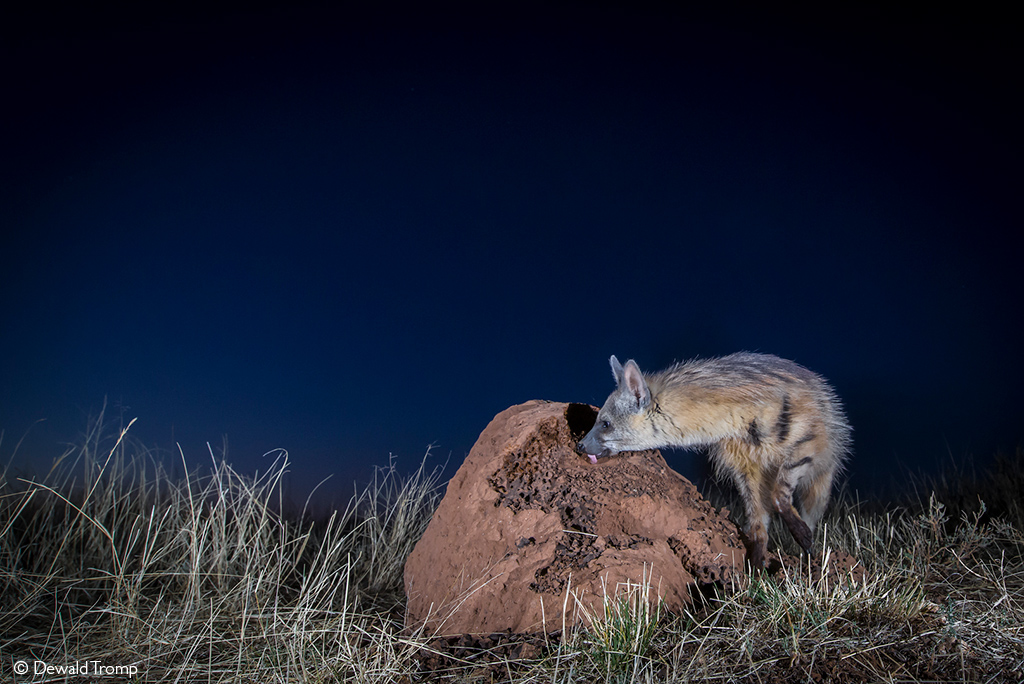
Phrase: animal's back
(763, 399)
(740, 370)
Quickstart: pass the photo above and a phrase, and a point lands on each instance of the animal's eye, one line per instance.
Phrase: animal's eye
(605, 425)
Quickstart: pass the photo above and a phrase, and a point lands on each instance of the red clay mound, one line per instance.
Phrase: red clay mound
(526, 518)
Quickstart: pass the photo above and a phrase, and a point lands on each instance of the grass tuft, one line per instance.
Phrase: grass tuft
(619, 642)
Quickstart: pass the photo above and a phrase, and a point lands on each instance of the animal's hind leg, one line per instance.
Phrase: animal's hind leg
(813, 495)
(782, 500)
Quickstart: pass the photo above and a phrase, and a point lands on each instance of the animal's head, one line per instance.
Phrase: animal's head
(621, 423)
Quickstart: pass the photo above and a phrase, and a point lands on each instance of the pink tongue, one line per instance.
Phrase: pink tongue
(593, 458)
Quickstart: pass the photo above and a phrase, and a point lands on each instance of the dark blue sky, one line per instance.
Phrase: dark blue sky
(351, 235)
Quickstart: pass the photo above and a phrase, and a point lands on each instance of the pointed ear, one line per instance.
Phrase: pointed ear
(636, 385)
(616, 369)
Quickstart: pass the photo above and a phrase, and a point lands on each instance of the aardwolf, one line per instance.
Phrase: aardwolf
(774, 427)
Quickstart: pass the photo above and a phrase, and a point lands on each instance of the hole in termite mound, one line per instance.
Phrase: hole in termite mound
(581, 418)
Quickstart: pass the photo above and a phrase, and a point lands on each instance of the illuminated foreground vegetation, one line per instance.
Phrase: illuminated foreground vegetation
(109, 562)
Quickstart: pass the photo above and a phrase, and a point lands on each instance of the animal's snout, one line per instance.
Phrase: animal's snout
(583, 446)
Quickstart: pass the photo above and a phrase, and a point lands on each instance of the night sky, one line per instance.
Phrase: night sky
(353, 235)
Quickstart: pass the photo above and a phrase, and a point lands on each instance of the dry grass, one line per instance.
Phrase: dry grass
(109, 560)
(202, 579)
